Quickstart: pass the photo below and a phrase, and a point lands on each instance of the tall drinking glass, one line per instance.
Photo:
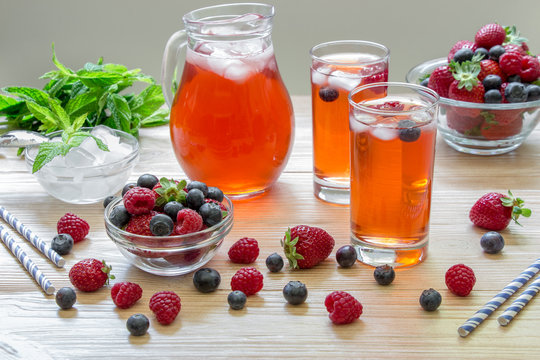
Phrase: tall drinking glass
(338, 67)
(393, 130)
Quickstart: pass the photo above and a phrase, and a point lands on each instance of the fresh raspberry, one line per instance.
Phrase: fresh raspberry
(140, 224)
(377, 77)
(343, 307)
(73, 225)
(460, 279)
(244, 251)
(510, 63)
(139, 200)
(490, 35)
(89, 274)
(248, 280)
(125, 294)
(188, 221)
(389, 106)
(166, 305)
(530, 69)
(460, 45)
(490, 67)
(515, 48)
(440, 80)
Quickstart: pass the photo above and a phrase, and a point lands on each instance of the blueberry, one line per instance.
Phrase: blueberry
(128, 187)
(206, 280)
(493, 96)
(236, 300)
(147, 181)
(66, 297)
(407, 131)
(425, 82)
(492, 242)
(482, 51)
(274, 262)
(515, 93)
(197, 185)
(328, 94)
(462, 55)
(161, 225)
(119, 216)
(492, 82)
(195, 199)
(496, 51)
(62, 243)
(514, 78)
(172, 208)
(211, 214)
(346, 256)
(384, 274)
(108, 200)
(295, 292)
(214, 193)
(533, 92)
(138, 324)
(430, 300)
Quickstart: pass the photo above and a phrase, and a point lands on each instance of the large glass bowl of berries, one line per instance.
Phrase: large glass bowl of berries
(489, 89)
(168, 227)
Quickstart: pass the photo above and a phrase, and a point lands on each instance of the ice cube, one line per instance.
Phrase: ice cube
(237, 71)
(89, 145)
(384, 133)
(106, 134)
(357, 126)
(80, 157)
(344, 80)
(116, 153)
(318, 78)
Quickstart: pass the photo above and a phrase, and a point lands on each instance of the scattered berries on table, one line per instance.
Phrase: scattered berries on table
(343, 307)
(137, 324)
(125, 294)
(236, 299)
(90, 274)
(73, 225)
(430, 300)
(384, 274)
(346, 256)
(248, 280)
(139, 200)
(147, 181)
(460, 279)
(62, 243)
(295, 292)
(206, 280)
(492, 242)
(306, 246)
(244, 251)
(494, 211)
(274, 262)
(165, 305)
(188, 221)
(65, 298)
(161, 225)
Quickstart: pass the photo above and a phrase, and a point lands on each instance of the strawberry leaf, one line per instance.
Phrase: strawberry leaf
(289, 247)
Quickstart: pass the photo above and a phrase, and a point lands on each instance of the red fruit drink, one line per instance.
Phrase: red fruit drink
(392, 157)
(336, 69)
(232, 121)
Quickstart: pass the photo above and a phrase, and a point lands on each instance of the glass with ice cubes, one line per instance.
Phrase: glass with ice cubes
(393, 130)
(338, 67)
(87, 174)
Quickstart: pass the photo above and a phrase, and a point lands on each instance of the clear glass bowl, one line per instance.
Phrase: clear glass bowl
(480, 129)
(170, 255)
(86, 184)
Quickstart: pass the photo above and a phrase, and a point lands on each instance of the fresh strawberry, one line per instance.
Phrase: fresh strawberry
(490, 67)
(440, 80)
(73, 225)
(515, 41)
(125, 294)
(510, 63)
(493, 211)
(460, 45)
(90, 274)
(306, 246)
(490, 35)
(494, 130)
(140, 224)
(466, 86)
(462, 123)
(170, 190)
(530, 68)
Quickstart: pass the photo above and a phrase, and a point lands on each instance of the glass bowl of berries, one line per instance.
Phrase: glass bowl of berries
(168, 227)
(489, 89)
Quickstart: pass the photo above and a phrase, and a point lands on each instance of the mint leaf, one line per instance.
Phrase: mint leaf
(82, 103)
(100, 143)
(26, 93)
(148, 101)
(48, 151)
(156, 119)
(7, 101)
(98, 79)
(64, 70)
(64, 121)
(115, 68)
(43, 114)
(120, 111)
(78, 122)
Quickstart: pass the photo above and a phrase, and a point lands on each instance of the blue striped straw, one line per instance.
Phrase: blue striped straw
(518, 304)
(28, 264)
(498, 299)
(33, 238)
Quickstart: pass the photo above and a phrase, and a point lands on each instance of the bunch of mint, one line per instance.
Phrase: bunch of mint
(97, 91)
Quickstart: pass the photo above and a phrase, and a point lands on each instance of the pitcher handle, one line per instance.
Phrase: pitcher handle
(176, 42)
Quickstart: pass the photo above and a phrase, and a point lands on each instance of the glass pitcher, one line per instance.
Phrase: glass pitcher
(231, 122)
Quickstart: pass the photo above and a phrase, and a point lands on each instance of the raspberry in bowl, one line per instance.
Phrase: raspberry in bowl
(149, 238)
(489, 89)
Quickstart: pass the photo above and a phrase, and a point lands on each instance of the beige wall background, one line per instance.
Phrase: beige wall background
(134, 32)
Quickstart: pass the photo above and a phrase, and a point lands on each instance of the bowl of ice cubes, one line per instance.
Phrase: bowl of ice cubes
(87, 174)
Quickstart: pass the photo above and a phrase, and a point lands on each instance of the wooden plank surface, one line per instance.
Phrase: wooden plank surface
(392, 326)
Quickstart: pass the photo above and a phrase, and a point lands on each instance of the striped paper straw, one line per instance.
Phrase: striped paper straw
(518, 304)
(28, 264)
(498, 299)
(33, 238)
